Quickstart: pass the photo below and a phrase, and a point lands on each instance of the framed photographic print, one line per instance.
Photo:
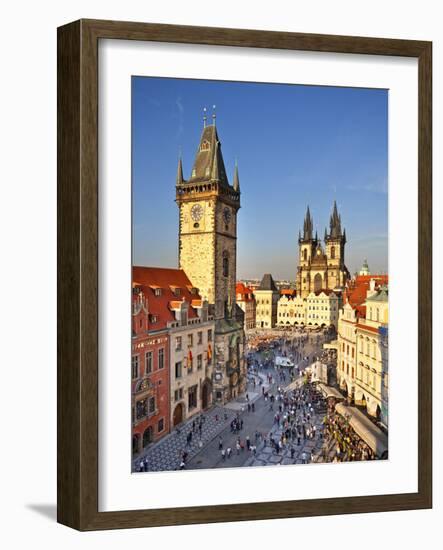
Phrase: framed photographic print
(244, 275)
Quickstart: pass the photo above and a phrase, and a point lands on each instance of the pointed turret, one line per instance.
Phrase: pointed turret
(180, 179)
(308, 226)
(236, 183)
(326, 235)
(335, 223)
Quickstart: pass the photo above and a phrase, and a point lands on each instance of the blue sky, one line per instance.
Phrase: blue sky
(295, 145)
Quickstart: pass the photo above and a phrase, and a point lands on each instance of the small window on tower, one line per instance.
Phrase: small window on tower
(225, 264)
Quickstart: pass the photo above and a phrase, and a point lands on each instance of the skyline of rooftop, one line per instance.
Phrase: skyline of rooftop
(295, 146)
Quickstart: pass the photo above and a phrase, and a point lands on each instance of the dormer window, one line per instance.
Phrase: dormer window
(177, 291)
(205, 146)
(158, 291)
(153, 318)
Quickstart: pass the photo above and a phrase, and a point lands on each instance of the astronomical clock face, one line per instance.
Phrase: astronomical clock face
(226, 215)
(197, 212)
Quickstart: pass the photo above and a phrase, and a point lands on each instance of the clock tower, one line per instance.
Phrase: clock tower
(208, 206)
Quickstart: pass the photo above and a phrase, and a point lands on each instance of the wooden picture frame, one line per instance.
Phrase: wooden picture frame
(78, 274)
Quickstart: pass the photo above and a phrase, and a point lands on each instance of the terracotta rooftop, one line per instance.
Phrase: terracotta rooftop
(288, 291)
(245, 292)
(158, 285)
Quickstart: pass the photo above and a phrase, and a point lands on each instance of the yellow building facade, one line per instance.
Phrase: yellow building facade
(322, 308)
(266, 300)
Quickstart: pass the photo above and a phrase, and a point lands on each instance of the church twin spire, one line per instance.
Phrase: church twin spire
(335, 231)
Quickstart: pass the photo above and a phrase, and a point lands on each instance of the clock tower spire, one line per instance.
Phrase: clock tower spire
(208, 206)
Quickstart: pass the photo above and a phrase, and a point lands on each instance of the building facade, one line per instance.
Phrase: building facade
(173, 355)
(149, 372)
(347, 349)
(266, 297)
(353, 311)
(208, 207)
(321, 267)
(246, 301)
(369, 371)
(322, 308)
(192, 342)
(291, 311)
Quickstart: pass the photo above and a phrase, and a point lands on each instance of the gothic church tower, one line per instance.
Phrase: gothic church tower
(208, 207)
(321, 268)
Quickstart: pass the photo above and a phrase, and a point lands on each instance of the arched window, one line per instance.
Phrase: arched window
(305, 254)
(332, 252)
(225, 264)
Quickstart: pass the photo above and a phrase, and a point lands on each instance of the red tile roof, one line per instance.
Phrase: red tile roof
(148, 279)
(356, 292)
(380, 279)
(245, 291)
(288, 291)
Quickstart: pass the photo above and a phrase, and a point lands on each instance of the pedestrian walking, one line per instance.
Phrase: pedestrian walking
(220, 443)
(223, 454)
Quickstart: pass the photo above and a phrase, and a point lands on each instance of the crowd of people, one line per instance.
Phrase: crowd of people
(342, 443)
(296, 408)
(294, 417)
